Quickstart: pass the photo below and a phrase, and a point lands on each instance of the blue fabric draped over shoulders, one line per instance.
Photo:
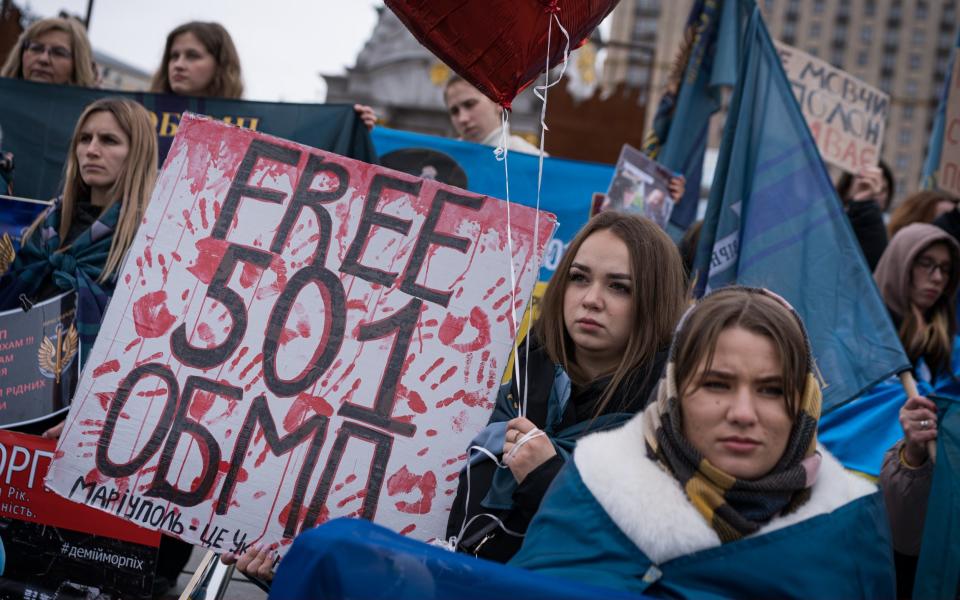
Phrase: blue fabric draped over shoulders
(842, 554)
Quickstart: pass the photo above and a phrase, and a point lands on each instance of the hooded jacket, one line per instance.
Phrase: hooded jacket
(893, 273)
(893, 270)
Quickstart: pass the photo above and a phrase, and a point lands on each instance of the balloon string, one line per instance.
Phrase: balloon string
(502, 154)
(543, 135)
(454, 541)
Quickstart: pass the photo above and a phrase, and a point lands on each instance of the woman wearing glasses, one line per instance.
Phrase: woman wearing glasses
(52, 51)
(918, 276)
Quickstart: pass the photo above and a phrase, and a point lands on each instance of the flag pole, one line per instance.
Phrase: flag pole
(910, 385)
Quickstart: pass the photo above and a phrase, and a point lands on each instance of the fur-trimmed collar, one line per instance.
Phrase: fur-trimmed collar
(651, 509)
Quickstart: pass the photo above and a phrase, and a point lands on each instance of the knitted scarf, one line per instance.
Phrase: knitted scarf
(75, 268)
(734, 507)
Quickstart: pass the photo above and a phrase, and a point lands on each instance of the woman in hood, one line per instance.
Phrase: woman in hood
(918, 277)
(719, 487)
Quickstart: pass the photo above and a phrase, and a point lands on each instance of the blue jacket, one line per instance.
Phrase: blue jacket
(626, 524)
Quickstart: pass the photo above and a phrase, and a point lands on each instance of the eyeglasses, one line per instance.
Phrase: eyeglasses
(929, 266)
(39, 48)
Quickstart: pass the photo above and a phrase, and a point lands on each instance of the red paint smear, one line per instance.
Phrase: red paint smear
(111, 366)
(423, 452)
(105, 399)
(132, 344)
(256, 359)
(358, 496)
(188, 222)
(184, 295)
(301, 406)
(148, 256)
(201, 404)
(249, 275)
(356, 304)
(448, 374)
(414, 400)
(459, 421)
(408, 529)
(153, 356)
(453, 326)
(435, 364)
(150, 315)
(500, 302)
(176, 256)
(483, 363)
(210, 254)
(286, 335)
(499, 282)
(95, 476)
(152, 393)
(303, 327)
(126, 278)
(206, 335)
(471, 399)
(240, 355)
(203, 213)
(452, 476)
(216, 209)
(431, 432)
(404, 481)
(140, 263)
(259, 495)
(161, 260)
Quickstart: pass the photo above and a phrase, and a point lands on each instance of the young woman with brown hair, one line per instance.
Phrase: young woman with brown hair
(199, 59)
(719, 488)
(595, 353)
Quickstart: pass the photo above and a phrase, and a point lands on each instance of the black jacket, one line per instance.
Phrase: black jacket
(866, 219)
(484, 537)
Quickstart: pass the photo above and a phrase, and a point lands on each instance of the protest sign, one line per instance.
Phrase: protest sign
(38, 121)
(59, 549)
(641, 186)
(949, 172)
(846, 115)
(296, 336)
(39, 360)
(566, 188)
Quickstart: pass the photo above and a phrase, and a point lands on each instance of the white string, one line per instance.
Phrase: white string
(452, 543)
(543, 135)
(502, 153)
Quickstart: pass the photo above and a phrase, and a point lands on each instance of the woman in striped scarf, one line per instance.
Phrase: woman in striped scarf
(719, 488)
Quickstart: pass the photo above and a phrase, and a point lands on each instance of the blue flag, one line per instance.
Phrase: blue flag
(774, 220)
(351, 559)
(928, 179)
(938, 570)
(708, 60)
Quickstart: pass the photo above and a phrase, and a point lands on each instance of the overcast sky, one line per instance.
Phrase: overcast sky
(283, 44)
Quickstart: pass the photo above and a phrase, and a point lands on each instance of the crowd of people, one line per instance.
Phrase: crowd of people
(655, 429)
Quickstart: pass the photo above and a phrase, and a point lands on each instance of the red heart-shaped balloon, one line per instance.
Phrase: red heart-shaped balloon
(500, 46)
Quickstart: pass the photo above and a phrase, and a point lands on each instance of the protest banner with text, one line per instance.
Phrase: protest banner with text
(296, 336)
(38, 120)
(846, 115)
(39, 360)
(59, 549)
(948, 178)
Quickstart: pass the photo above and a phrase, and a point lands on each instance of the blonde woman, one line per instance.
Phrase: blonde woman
(52, 51)
(79, 243)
